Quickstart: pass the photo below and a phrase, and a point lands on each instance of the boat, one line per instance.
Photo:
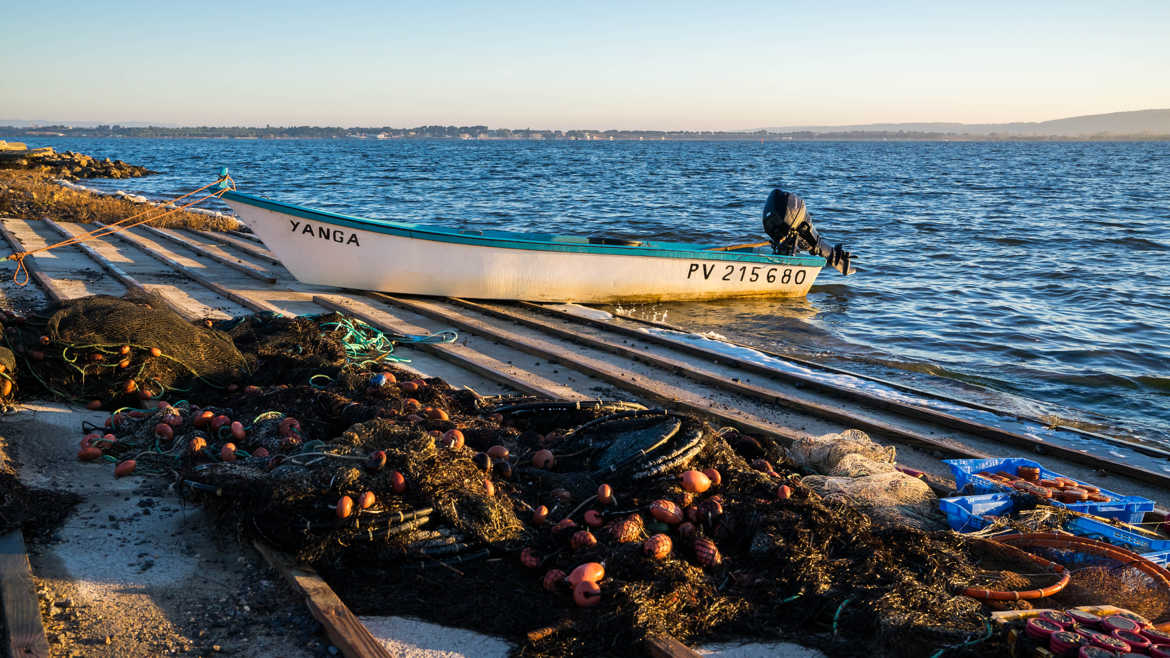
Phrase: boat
(332, 249)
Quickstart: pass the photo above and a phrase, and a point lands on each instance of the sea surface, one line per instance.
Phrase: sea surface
(1032, 276)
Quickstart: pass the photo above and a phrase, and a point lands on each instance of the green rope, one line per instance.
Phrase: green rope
(837, 615)
(365, 345)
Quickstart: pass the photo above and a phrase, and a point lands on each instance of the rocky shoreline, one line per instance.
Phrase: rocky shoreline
(65, 165)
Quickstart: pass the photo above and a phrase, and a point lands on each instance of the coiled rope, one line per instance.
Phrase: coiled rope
(222, 185)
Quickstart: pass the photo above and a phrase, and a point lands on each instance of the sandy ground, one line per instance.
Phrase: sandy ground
(134, 572)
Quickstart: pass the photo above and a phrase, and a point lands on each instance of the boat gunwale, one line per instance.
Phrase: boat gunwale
(442, 234)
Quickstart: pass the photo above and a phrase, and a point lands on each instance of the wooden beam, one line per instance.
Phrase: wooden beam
(246, 302)
(664, 394)
(658, 645)
(202, 251)
(34, 270)
(344, 629)
(467, 359)
(22, 610)
(253, 252)
(118, 273)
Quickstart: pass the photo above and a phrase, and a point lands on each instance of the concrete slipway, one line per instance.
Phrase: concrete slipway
(566, 352)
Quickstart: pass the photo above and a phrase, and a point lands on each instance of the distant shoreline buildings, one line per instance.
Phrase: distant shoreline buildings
(484, 133)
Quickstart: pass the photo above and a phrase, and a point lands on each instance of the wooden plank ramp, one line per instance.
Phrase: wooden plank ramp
(22, 610)
(34, 269)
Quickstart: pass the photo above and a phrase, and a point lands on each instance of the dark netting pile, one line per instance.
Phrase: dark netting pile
(571, 528)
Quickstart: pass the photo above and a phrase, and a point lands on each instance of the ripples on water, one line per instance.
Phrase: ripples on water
(1036, 269)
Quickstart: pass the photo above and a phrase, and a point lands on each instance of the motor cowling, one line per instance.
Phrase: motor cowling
(787, 223)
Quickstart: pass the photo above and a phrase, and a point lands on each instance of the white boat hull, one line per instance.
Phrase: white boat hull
(321, 252)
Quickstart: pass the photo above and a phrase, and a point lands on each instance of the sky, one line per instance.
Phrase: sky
(591, 65)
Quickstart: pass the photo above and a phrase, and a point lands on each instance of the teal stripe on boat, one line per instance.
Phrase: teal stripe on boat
(521, 241)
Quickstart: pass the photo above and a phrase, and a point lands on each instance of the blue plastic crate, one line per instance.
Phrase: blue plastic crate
(1159, 557)
(1127, 539)
(1131, 509)
(965, 513)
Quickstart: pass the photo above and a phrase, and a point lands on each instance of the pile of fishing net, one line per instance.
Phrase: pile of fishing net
(572, 528)
(108, 352)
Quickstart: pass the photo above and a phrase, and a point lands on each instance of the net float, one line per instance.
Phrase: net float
(692, 513)
(582, 539)
(197, 445)
(411, 405)
(89, 453)
(367, 500)
(710, 510)
(434, 413)
(498, 452)
(452, 439)
(289, 427)
(155, 352)
(695, 481)
(706, 552)
(145, 393)
(589, 572)
(543, 459)
(94, 405)
(530, 558)
(564, 524)
(125, 349)
(45, 340)
(238, 432)
(539, 515)
(376, 461)
(203, 418)
(483, 461)
(763, 465)
(124, 363)
(552, 578)
(398, 481)
(489, 486)
(97, 356)
(666, 511)
(252, 390)
(605, 494)
(228, 452)
(5, 387)
(172, 418)
(783, 492)
(130, 386)
(219, 421)
(502, 468)
(686, 530)
(408, 387)
(586, 594)
(593, 518)
(714, 476)
(164, 431)
(344, 507)
(88, 439)
(125, 468)
(628, 529)
(657, 547)
(260, 453)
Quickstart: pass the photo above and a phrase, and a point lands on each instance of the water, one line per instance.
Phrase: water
(1029, 275)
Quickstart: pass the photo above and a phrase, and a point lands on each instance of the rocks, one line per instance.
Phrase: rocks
(72, 165)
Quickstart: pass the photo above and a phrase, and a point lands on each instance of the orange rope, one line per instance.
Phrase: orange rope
(120, 225)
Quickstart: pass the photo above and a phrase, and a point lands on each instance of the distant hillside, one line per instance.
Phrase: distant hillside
(1141, 122)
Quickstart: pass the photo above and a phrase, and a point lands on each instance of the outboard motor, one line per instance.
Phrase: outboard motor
(786, 221)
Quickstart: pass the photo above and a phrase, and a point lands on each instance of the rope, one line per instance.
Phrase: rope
(224, 183)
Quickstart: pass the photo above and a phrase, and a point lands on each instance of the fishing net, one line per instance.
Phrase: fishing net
(1100, 574)
(414, 498)
(118, 351)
